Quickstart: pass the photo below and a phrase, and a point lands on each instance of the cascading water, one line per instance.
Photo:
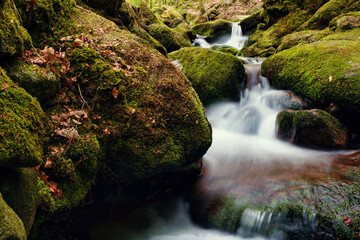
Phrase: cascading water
(236, 39)
(245, 152)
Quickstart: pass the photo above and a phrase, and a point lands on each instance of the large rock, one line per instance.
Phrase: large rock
(214, 75)
(325, 72)
(328, 11)
(167, 37)
(23, 126)
(39, 82)
(14, 38)
(346, 21)
(213, 29)
(311, 128)
(152, 120)
(11, 227)
(20, 191)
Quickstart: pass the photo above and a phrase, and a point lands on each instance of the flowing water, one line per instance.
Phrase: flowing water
(245, 159)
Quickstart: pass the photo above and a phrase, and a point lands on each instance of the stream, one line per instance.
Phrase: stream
(245, 159)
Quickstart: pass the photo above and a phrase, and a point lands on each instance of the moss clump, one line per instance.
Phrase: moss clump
(23, 126)
(19, 190)
(303, 37)
(213, 29)
(39, 82)
(165, 36)
(271, 37)
(325, 72)
(250, 23)
(14, 39)
(214, 75)
(345, 22)
(327, 12)
(168, 13)
(11, 226)
(311, 128)
(225, 49)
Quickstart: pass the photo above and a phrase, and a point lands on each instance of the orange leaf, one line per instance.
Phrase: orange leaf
(107, 52)
(115, 92)
(37, 167)
(48, 163)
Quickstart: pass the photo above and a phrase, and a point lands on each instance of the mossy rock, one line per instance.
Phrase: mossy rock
(168, 14)
(44, 15)
(327, 12)
(325, 72)
(11, 227)
(147, 16)
(39, 82)
(14, 38)
(302, 37)
(185, 28)
(311, 128)
(250, 23)
(271, 37)
(214, 75)
(20, 191)
(345, 22)
(213, 29)
(225, 49)
(23, 126)
(165, 36)
(156, 124)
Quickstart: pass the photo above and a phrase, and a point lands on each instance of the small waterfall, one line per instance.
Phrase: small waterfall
(236, 39)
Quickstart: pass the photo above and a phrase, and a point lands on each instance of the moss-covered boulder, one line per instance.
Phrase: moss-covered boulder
(20, 191)
(250, 23)
(11, 227)
(302, 37)
(346, 21)
(152, 121)
(327, 12)
(311, 128)
(44, 15)
(270, 38)
(165, 36)
(168, 14)
(14, 38)
(325, 72)
(214, 75)
(185, 28)
(23, 126)
(39, 82)
(225, 49)
(147, 16)
(213, 29)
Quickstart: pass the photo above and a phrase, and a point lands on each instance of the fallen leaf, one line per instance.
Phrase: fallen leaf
(115, 92)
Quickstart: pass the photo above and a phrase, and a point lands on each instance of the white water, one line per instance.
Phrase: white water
(236, 39)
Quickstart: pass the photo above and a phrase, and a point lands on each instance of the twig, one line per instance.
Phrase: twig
(37, 53)
(16, 11)
(82, 98)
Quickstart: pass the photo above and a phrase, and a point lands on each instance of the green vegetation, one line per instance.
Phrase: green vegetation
(14, 38)
(11, 226)
(325, 72)
(214, 75)
(311, 128)
(213, 29)
(23, 126)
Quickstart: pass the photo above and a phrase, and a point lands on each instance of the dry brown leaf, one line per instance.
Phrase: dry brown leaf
(115, 92)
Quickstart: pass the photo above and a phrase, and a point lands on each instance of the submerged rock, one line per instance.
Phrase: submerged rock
(11, 227)
(311, 128)
(214, 75)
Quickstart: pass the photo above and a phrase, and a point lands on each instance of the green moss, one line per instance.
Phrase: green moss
(251, 22)
(311, 128)
(148, 16)
(168, 13)
(327, 12)
(213, 29)
(23, 126)
(345, 22)
(225, 49)
(214, 75)
(325, 72)
(39, 82)
(14, 39)
(303, 37)
(19, 190)
(165, 36)
(11, 226)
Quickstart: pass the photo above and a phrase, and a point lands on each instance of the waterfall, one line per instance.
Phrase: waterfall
(236, 39)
